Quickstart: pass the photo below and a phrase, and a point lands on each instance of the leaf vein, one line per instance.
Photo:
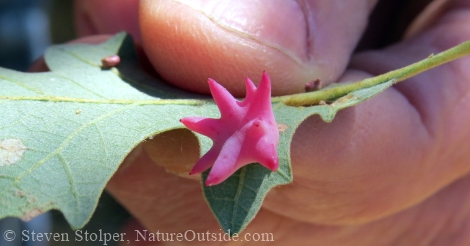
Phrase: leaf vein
(22, 85)
(72, 181)
(237, 195)
(194, 102)
(84, 87)
(102, 140)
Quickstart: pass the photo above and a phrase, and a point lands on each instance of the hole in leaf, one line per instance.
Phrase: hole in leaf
(176, 150)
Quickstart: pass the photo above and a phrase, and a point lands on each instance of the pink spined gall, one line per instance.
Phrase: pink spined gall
(245, 133)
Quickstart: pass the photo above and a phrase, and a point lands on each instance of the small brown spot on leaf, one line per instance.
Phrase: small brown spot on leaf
(19, 193)
(282, 127)
(11, 151)
(31, 214)
(31, 200)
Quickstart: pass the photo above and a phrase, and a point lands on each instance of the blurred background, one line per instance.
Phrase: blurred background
(27, 28)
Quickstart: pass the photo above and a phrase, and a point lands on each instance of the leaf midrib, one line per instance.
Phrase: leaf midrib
(107, 101)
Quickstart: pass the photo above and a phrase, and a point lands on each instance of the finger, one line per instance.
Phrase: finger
(167, 204)
(394, 150)
(107, 17)
(295, 42)
(428, 17)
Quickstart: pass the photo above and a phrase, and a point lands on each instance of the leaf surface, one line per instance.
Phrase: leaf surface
(64, 133)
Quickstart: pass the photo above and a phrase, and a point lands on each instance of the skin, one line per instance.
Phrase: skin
(392, 171)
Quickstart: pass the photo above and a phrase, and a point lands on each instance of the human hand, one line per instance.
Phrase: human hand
(392, 171)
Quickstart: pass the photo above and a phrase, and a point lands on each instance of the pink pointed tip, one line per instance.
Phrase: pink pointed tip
(185, 121)
(275, 167)
(250, 87)
(194, 171)
(272, 164)
(265, 82)
(211, 180)
(212, 84)
(265, 75)
(189, 123)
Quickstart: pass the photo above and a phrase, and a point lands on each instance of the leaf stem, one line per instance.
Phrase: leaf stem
(329, 94)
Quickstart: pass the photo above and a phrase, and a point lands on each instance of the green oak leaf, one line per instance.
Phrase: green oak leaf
(64, 133)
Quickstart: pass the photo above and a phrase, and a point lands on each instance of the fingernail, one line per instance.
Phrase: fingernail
(278, 24)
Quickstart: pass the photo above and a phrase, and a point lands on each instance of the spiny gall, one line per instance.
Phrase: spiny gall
(245, 133)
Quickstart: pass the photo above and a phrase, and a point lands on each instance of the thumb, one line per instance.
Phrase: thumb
(294, 41)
